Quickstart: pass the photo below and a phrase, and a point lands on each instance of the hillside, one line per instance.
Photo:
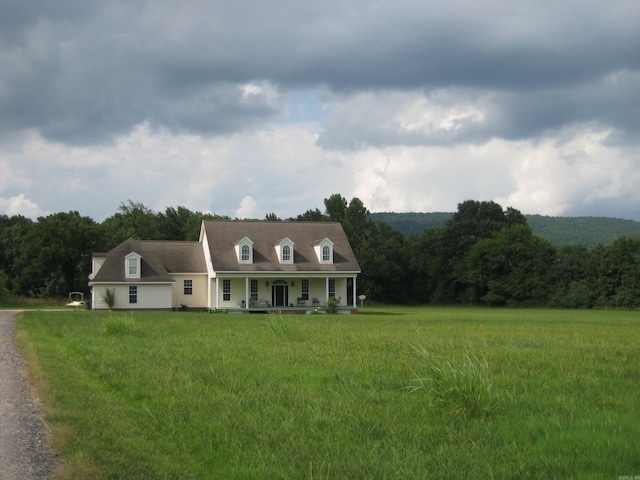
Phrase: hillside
(589, 231)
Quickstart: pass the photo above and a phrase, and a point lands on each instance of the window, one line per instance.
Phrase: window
(244, 250)
(324, 251)
(226, 290)
(133, 294)
(132, 265)
(284, 250)
(254, 289)
(305, 289)
(332, 287)
(188, 287)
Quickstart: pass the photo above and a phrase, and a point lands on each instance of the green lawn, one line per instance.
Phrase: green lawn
(391, 393)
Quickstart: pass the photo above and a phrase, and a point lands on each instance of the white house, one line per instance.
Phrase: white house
(234, 265)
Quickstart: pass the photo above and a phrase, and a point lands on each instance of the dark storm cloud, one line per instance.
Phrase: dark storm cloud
(84, 72)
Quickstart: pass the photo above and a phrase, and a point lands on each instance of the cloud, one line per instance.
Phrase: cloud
(90, 76)
(20, 205)
(380, 119)
(258, 107)
(573, 177)
(248, 208)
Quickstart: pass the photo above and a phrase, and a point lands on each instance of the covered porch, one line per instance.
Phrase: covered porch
(342, 310)
(303, 293)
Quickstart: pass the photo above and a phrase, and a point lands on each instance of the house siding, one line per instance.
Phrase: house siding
(149, 297)
(237, 292)
(198, 299)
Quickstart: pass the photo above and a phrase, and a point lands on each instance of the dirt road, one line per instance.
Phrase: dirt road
(23, 452)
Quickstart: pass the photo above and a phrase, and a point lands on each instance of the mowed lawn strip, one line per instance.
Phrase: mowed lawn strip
(389, 393)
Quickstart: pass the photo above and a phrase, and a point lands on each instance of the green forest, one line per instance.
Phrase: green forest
(482, 254)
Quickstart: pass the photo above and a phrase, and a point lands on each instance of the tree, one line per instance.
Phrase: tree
(513, 266)
(133, 220)
(311, 216)
(58, 253)
(618, 273)
(272, 217)
(384, 267)
(427, 267)
(474, 221)
(573, 278)
(179, 224)
(335, 208)
(356, 223)
(13, 238)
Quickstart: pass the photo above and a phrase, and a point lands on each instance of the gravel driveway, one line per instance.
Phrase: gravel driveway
(23, 453)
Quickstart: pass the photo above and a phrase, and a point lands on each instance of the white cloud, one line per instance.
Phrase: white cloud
(9, 175)
(415, 117)
(248, 208)
(566, 177)
(283, 170)
(19, 205)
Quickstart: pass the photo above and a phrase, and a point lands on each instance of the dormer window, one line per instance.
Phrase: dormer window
(244, 250)
(324, 251)
(284, 249)
(132, 265)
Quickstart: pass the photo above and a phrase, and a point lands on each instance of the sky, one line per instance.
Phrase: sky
(244, 108)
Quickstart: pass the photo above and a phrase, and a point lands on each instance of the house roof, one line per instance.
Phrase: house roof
(158, 260)
(222, 236)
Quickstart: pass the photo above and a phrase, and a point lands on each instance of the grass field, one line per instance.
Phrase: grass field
(391, 393)
(11, 302)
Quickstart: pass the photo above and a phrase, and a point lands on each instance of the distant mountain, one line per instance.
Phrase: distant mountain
(589, 231)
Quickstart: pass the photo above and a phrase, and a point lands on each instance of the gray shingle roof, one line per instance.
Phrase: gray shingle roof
(223, 235)
(159, 259)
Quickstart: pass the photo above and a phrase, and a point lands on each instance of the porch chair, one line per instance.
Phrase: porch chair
(301, 302)
(316, 302)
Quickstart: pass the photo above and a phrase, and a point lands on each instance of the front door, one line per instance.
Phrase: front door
(280, 294)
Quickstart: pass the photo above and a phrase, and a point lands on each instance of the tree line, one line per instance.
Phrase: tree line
(589, 231)
(482, 255)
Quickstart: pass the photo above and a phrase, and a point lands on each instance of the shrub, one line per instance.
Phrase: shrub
(109, 298)
(332, 305)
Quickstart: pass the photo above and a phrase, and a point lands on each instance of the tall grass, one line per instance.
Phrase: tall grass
(285, 325)
(395, 393)
(461, 386)
(120, 324)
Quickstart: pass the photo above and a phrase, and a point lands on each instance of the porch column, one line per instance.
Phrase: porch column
(217, 294)
(355, 300)
(246, 292)
(326, 289)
